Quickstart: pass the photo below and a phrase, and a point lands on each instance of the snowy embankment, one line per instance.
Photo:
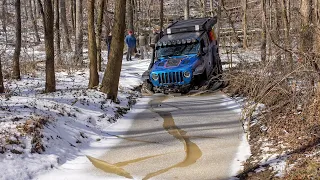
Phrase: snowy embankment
(40, 131)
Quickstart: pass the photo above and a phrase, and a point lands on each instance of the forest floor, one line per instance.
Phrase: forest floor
(33, 124)
(283, 134)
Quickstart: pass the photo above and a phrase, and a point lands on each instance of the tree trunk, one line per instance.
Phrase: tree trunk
(34, 23)
(286, 23)
(203, 7)
(231, 22)
(161, 15)
(26, 11)
(244, 23)
(270, 23)
(219, 20)
(73, 10)
(94, 77)
(186, 9)
(306, 42)
(276, 34)
(263, 32)
(130, 15)
(316, 21)
(48, 21)
(212, 10)
(111, 77)
(1, 79)
(57, 29)
(17, 50)
(78, 54)
(63, 14)
(4, 18)
(101, 4)
(136, 16)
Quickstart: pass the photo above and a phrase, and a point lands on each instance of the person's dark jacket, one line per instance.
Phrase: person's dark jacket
(108, 40)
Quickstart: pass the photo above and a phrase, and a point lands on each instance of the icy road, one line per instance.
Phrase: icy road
(183, 137)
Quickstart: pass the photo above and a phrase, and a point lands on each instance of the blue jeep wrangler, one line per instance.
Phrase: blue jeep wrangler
(186, 54)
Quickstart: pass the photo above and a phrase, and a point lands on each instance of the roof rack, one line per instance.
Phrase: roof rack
(191, 25)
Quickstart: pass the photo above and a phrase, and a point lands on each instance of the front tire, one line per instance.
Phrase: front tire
(147, 88)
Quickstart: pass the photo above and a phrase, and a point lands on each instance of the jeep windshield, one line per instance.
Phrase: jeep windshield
(178, 50)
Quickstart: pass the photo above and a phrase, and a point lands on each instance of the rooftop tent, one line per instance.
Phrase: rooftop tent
(191, 25)
(181, 36)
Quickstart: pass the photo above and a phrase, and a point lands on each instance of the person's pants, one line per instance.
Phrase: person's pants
(109, 50)
(129, 53)
(144, 52)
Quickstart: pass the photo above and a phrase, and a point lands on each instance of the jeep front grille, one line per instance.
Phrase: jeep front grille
(170, 77)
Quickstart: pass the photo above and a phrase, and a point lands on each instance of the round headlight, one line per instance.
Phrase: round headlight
(155, 77)
(186, 74)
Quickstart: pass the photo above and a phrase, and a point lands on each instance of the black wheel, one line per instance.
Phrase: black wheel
(147, 88)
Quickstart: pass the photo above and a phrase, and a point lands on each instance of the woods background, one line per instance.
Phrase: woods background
(270, 46)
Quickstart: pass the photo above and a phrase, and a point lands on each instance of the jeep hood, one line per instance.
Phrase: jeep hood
(176, 63)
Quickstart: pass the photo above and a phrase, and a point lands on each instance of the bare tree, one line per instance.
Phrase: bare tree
(161, 15)
(73, 11)
(78, 54)
(212, 11)
(17, 50)
(34, 22)
(94, 77)
(101, 4)
(219, 20)
(130, 15)
(263, 32)
(111, 76)
(244, 24)
(276, 34)
(316, 20)
(57, 31)
(4, 18)
(203, 4)
(1, 79)
(186, 9)
(48, 20)
(64, 22)
(286, 24)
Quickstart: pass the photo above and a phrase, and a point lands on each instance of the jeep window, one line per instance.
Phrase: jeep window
(178, 50)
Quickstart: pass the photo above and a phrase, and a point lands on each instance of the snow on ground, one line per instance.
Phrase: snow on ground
(41, 131)
(80, 167)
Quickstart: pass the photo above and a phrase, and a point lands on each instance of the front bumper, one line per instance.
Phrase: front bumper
(172, 88)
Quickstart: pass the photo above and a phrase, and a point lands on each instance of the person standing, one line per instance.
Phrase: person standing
(131, 43)
(153, 39)
(108, 41)
(143, 48)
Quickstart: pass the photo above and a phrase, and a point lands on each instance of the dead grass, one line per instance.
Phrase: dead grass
(290, 118)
